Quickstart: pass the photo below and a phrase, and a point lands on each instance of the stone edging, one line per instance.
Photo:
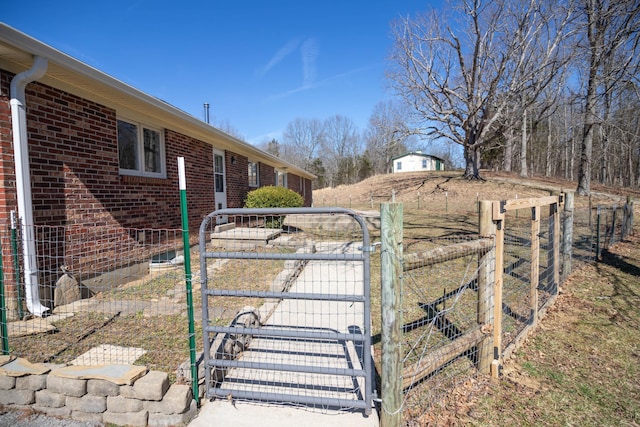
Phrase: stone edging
(90, 394)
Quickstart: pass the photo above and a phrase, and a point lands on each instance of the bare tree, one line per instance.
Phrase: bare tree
(341, 146)
(302, 139)
(460, 73)
(387, 134)
(612, 30)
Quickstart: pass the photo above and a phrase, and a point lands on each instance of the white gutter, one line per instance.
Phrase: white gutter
(23, 182)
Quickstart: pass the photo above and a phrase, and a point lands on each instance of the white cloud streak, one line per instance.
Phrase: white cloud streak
(282, 53)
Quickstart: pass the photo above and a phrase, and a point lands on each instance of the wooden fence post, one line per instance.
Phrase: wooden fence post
(567, 235)
(535, 263)
(487, 265)
(391, 306)
(498, 218)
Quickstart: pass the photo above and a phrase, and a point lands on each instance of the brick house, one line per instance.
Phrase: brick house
(95, 152)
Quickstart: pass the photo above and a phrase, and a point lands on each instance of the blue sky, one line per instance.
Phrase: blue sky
(259, 64)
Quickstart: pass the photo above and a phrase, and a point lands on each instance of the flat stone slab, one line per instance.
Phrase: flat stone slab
(244, 235)
(107, 354)
(333, 223)
(36, 325)
(117, 374)
(19, 367)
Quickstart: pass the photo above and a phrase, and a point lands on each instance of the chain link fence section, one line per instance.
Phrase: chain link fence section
(113, 296)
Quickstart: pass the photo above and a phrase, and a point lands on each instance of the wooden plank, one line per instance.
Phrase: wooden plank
(435, 359)
(445, 253)
(514, 204)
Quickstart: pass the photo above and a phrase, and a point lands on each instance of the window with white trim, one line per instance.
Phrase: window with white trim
(252, 171)
(140, 150)
(399, 166)
(424, 163)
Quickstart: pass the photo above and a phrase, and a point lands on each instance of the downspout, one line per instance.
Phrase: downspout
(23, 182)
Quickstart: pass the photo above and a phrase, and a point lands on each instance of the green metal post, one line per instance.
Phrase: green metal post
(187, 273)
(16, 261)
(3, 313)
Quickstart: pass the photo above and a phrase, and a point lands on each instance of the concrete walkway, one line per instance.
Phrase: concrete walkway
(328, 277)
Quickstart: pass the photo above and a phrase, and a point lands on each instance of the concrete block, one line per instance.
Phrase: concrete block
(102, 388)
(165, 420)
(68, 386)
(175, 401)
(121, 404)
(17, 397)
(7, 382)
(49, 399)
(152, 386)
(126, 419)
(31, 382)
(87, 403)
(87, 417)
(61, 412)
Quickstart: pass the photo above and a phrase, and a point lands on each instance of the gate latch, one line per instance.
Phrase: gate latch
(371, 248)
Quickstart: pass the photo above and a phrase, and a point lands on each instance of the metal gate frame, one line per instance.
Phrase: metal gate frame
(361, 340)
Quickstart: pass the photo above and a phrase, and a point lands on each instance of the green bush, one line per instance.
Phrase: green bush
(273, 197)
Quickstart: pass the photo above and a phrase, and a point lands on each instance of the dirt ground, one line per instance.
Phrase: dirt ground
(441, 191)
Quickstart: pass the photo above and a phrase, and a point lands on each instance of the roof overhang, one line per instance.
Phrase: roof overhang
(17, 51)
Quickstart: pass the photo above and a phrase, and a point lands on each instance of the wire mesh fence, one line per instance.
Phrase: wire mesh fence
(441, 301)
(446, 318)
(112, 296)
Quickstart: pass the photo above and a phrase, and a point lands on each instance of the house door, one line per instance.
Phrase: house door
(220, 197)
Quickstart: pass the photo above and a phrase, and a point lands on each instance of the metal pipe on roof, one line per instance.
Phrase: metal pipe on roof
(23, 181)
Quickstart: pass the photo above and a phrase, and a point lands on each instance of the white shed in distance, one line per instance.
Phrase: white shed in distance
(415, 161)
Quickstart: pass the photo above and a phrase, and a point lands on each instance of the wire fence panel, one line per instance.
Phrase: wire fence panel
(113, 295)
(442, 321)
(296, 291)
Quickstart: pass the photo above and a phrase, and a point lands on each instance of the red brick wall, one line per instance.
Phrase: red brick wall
(237, 178)
(76, 185)
(266, 175)
(7, 169)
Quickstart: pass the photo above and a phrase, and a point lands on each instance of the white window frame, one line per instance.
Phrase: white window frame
(425, 163)
(399, 165)
(283, 174)
(255, 165)
(139, 171)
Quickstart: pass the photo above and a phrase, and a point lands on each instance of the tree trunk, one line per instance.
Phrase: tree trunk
(508, 152)
(547, 171)
(523, 148)
(472, 162)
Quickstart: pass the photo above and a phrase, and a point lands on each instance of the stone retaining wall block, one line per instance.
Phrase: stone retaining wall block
(49, 399)
(102, 388)
(68, 386)
(120, 404)
(126, 419)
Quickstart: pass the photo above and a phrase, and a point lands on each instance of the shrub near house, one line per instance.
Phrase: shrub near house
(273, 197)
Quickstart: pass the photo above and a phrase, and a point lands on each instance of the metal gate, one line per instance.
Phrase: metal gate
(305, 339)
